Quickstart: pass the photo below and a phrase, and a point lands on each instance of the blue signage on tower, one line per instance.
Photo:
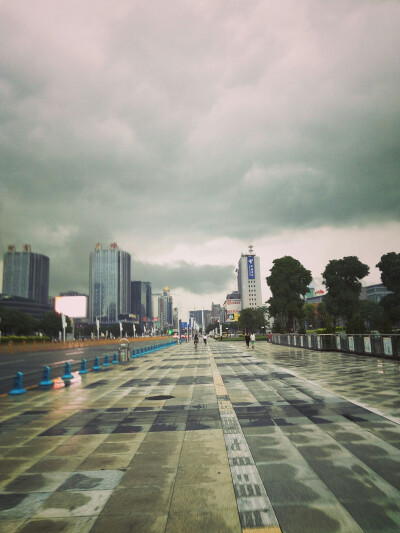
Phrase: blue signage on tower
(250, 268)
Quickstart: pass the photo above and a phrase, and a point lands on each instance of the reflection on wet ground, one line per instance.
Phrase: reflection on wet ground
(221, 439)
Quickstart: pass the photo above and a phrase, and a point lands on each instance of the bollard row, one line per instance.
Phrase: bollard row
(47, 383)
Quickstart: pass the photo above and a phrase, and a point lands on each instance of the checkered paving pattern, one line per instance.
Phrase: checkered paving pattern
(218, 439)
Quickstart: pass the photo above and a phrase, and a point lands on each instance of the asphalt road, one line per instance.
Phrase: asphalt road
(32, 364)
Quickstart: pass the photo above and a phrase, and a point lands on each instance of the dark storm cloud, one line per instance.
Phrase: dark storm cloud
(167, 122)
(197, 279)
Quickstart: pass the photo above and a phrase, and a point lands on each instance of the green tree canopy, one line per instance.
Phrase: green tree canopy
(15, 322)
(51, 323)
(310, 313)
(342, 280)
(211, 327)
(252, 319)
(289, 282)
(373, 314)
(389, 265)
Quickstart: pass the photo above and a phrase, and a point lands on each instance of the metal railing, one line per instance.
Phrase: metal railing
(378, 345)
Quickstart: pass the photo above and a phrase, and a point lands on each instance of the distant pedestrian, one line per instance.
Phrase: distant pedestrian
(253, 340)
(205, 339)
(270, 338)
(247, 339)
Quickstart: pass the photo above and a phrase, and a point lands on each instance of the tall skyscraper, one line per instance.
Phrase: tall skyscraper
(26, 274)
(165, 309)
(149, 302)
(138, 300)
(249, 280)
(109, 283)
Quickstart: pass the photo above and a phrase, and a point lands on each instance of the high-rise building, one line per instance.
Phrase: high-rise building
(216, 310)
(249, 280)
(26, 274)
(197, 316)
(109, 283)
(138, 300)
(149, 302)
(165, 309)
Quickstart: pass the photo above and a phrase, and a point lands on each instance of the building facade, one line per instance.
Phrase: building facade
(138, 301)
(149, 305)
(233, 306)
(375, 293)
(28, 307)
(165, 310)
(109, 284)
(249, 280)
(26, 274)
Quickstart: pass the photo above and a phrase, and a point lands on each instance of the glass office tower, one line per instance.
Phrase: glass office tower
(26, 274)
(109, 284)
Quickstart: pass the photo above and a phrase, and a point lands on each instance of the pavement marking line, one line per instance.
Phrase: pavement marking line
(255, 509)
(263, 530)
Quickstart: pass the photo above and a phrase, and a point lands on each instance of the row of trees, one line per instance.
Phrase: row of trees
(15, 322)
(289, 281)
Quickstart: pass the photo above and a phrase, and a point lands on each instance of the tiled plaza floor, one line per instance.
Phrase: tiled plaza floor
(219, 440)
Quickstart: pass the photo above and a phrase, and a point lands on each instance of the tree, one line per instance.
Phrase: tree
(355, 325)
(324, 318)
(288, 282)
(51, 324)
(389, 265)
(14, 322)
(373, 314)
(310, 314)
(252, 319)
(342, 280)
(211, 327)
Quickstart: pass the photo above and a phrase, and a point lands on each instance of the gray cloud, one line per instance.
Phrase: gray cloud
(196, 279)
(176, 121)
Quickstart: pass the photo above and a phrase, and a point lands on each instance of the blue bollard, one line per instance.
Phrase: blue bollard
(96, 366)
(18, 386)
(46, 382)
(106, 362)
(83, 369)
(115, 359)
(67, 376)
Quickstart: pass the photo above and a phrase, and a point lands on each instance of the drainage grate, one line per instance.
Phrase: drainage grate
(160, 397)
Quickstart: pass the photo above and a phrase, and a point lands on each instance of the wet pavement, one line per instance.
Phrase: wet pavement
(225, 439)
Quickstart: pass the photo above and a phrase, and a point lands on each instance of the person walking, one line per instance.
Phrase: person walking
(247, 339)
(270, 338)
(253, 340)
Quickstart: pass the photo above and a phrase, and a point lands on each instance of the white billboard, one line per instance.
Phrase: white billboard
(72, 306)
(233, 308)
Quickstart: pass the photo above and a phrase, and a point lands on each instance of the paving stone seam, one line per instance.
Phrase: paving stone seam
(393, 419)
(396, 420)
(254, 506)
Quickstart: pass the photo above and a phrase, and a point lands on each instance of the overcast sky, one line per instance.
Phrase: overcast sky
(186, 130)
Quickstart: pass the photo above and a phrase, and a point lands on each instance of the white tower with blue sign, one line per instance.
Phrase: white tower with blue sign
(249, 280)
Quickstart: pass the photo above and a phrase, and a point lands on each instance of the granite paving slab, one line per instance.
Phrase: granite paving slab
(278, 439)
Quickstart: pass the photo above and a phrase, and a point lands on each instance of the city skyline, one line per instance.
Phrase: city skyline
(205, 303)
(185, 132)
